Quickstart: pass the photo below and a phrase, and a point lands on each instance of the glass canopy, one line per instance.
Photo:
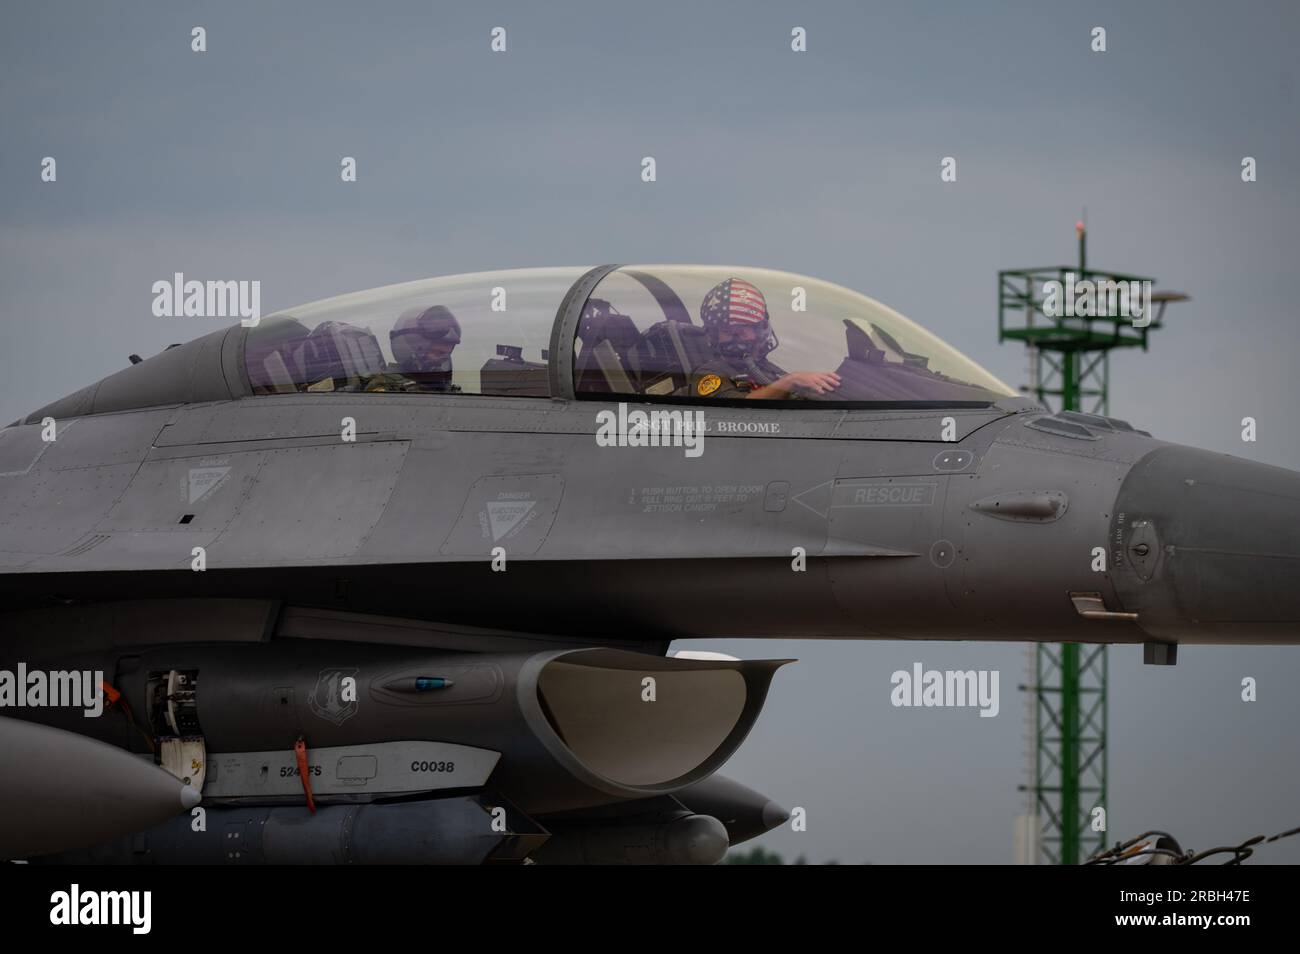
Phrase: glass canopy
(482, 333)
(685, 332)
(709, 332)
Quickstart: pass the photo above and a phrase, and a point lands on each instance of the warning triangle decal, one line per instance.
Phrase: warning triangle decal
(504, 515)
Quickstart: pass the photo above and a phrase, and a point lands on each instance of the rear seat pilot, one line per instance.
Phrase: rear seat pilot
(422, 341)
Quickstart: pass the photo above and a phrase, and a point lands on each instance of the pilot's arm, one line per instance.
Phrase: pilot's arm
(813, 383)
(718, 381)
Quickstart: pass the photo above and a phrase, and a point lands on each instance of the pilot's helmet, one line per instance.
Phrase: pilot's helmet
(734, 313)
(423, 339)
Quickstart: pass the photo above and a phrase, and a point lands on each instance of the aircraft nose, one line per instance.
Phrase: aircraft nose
(1208, 545)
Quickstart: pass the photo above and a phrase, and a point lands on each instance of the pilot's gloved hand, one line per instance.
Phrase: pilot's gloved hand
(808, 382)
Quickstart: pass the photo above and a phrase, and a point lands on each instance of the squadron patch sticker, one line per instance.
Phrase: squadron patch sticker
(330, 699)
(708, 384)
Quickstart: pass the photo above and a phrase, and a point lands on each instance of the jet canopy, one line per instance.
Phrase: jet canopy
(693, 332)
(639, 332)
(481, 333)
(675, 333)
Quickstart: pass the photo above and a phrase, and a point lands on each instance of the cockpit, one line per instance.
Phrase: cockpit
(704, 333)
(673, 333)
(678, 333)
(485, 333)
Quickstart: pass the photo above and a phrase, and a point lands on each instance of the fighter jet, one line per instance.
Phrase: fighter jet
(393, 576)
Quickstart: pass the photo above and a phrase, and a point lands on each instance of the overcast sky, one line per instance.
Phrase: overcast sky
(226, 165)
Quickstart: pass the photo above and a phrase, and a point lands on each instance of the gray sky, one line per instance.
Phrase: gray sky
(226, 164)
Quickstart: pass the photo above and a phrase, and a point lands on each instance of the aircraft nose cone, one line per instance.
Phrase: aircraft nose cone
(1208, 546)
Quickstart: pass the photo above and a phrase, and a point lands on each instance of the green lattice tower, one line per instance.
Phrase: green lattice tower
(1069, 369)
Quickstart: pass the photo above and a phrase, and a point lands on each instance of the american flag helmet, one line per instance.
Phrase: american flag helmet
(736, 302)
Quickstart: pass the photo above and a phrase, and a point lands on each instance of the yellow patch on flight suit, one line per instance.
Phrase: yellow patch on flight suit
(708, 384)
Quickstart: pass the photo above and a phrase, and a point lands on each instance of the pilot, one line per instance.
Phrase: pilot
(734, 315)
(422, 341)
